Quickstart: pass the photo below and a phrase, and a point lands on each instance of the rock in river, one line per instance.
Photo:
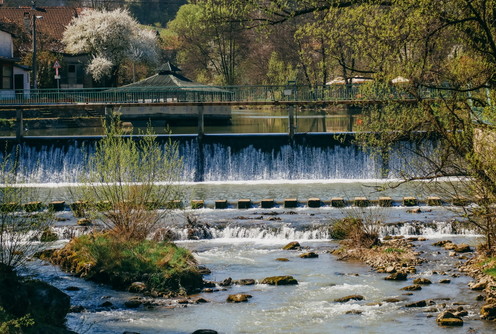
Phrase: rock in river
(447, 318)
(488, 312)
(397, 276)
(293, 245)
(309, 255)
(348, 298)
(238, 298)
(279, 280)
(422, 280)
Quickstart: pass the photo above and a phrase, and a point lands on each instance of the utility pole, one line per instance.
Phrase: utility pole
(33, 34)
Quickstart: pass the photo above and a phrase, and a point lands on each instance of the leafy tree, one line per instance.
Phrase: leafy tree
(210, 40)
(129, 185)
(110, 38)
(279, 72)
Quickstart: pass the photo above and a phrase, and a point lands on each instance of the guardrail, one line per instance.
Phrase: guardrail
(201, 94)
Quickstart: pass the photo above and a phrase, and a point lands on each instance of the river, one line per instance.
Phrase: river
(245, 243)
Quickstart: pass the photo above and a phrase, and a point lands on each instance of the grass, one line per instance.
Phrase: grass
(394, 250)
(489, 266)
(102, 257)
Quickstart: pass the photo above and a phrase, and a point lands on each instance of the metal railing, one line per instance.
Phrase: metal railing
(201, 94)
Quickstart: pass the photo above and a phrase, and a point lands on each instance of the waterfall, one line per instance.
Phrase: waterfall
(224, 160)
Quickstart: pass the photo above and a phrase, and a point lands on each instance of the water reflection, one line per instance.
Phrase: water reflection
(243, 120)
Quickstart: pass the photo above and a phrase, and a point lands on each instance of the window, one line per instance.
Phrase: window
(7, 76)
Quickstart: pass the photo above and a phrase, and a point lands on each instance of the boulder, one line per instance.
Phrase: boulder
(46, 303)
(414, 287)
(392, 300)
(282, 259)
(397, 276)
(462, 248)
(422, 280)
(356, 312)
(421, 303)
(442, 243)
(279, 280)
(132, 303)
(227, 282)
(137, 287)
(390, 270)
(309, 255)
(204, 270)
(478, 286)
(238, 298)
(348, 298)
(293, 245)
(205, 331)
(488, 312)
(245, 281)
(200, 301)
(445, 281)
(447, 318)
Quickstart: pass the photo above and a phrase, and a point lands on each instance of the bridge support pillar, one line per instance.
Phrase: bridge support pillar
(20, 125)
(201, 121)
(291, 121)
(109, 116)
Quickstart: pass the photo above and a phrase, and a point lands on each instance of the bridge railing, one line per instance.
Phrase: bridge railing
(198, 94)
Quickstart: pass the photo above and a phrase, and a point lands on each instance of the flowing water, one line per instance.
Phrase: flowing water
(245, 243)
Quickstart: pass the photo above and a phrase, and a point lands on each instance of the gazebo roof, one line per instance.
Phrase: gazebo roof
(167, 77)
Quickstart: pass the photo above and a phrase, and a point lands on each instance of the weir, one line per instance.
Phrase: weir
(246, 157)
(229, 158)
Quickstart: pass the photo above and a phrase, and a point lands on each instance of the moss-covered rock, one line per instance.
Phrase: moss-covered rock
(238, 298)
(279, 280)
(32, 305)
(293, 245)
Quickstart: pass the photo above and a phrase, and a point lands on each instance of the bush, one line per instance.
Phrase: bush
(105, 258)
(121, 188)
(356, 231)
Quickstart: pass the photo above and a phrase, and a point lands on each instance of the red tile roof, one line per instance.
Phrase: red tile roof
(53, 24)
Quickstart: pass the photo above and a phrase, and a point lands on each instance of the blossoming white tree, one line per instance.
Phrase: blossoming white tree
(110, 38)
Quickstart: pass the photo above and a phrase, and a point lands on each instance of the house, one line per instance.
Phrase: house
(169, 86)
(51, 23)
(15, 78)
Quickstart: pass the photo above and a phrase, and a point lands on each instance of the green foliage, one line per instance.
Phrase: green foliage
(279, 72)
(12, 325)
(134, 178)
(341, 229)
(209, 40)
(162, 266)
(394, 250)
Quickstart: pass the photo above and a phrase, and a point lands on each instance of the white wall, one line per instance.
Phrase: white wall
(6, 45)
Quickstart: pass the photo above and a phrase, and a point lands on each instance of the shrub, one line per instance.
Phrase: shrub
(121, 186)
(356, 231)
(105, 258)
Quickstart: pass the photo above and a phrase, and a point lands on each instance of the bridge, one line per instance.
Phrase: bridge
(220, 95)
(194, 101)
